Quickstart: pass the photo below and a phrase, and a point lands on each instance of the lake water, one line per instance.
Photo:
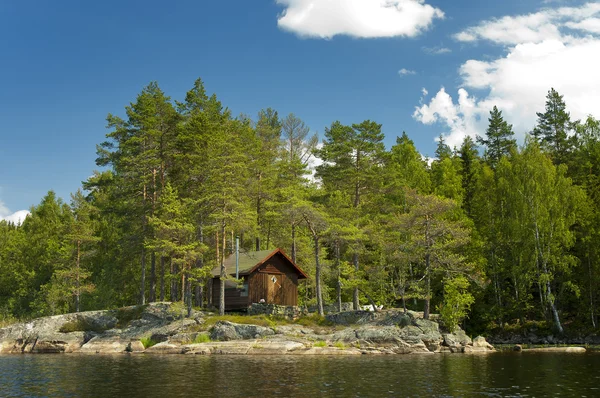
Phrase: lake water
(495, 375)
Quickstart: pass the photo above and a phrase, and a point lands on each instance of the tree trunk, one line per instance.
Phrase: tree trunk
(198, 294)
(294, 242)
(355, 299)
(77, 281)
(188, 291)
(318, 277)
(152, 293)
(222, 274)
(162, 278)
(143, 279)
(339, 276)
(427, 286)
(590, 278)
(174, 287)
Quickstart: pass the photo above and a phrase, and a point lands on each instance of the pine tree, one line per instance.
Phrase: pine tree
(499, 139)
(352, 157)
(554, 128)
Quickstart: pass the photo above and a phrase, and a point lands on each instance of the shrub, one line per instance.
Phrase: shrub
(320, 343)
(202, 338)
(340, 345)
(147, 342)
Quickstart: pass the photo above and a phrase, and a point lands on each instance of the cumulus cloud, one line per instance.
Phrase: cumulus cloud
(357, 18)
(549, 54)
(405, 72)
(16, 217)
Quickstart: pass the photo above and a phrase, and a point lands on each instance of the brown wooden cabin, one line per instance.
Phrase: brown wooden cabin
(268, 275)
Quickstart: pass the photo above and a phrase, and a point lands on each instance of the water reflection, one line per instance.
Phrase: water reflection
(502, 374)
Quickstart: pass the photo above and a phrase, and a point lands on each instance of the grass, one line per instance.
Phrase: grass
(340, 345)
(147, 342)
(313, 320)
(8, 320)
(202, 338)
(320, 343)
(260, 320)
(269, 321)
(127, 314)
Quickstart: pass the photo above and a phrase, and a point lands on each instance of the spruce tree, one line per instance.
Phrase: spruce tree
(499, 138)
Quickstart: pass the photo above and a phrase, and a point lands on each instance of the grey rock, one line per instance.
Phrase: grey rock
(226, 331)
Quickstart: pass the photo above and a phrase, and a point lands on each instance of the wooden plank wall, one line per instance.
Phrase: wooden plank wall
(260, 286)
(284, 292)
(233, 298)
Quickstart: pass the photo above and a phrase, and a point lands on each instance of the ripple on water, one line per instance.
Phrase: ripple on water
(498, 375)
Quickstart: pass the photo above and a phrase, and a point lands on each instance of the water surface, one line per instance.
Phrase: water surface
(496, 375)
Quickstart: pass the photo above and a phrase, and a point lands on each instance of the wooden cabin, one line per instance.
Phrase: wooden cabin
(269, 276)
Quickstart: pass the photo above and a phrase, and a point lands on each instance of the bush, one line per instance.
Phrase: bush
(147, 342)
(320, 343)
(202, 338)
(340, 345)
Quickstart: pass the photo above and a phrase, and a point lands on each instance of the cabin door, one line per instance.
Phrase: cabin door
(274, 288)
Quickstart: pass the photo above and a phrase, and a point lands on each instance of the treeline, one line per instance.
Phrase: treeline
(492, 232)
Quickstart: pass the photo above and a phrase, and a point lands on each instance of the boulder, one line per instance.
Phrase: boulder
(381, 334)
(351, 317)
(479, 345)
(226, 331)
(457, 341)
(105, 345)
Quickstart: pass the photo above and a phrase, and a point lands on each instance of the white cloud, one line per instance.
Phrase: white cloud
(436, 50)
(405, 72)
(546, 24)
(16, 217)
(548, 54)
(357, 18)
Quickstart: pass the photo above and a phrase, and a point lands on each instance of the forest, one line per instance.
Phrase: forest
(490, 234)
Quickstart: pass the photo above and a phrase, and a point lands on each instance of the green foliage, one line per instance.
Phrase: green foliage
(319, 343)
(181, 179)
(147, 342)
(313, 320)
(457, 301)
(202, 338)
(499, 139)
(340, 345)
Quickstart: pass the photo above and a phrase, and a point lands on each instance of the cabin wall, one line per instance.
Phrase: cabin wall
(284, 291)
(233, 297)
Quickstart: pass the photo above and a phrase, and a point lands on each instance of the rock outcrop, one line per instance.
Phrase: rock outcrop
(161, 328)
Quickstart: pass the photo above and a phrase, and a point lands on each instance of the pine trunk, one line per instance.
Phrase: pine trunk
(152, 293)
(318, 277)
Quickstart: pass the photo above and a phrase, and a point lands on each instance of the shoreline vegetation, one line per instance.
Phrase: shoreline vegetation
(495, 236)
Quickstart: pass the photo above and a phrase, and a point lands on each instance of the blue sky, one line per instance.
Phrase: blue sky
(66, 64)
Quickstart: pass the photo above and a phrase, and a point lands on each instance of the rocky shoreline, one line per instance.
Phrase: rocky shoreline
(159, 328)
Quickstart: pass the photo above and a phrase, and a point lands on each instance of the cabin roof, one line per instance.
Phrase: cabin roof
(250, 261)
